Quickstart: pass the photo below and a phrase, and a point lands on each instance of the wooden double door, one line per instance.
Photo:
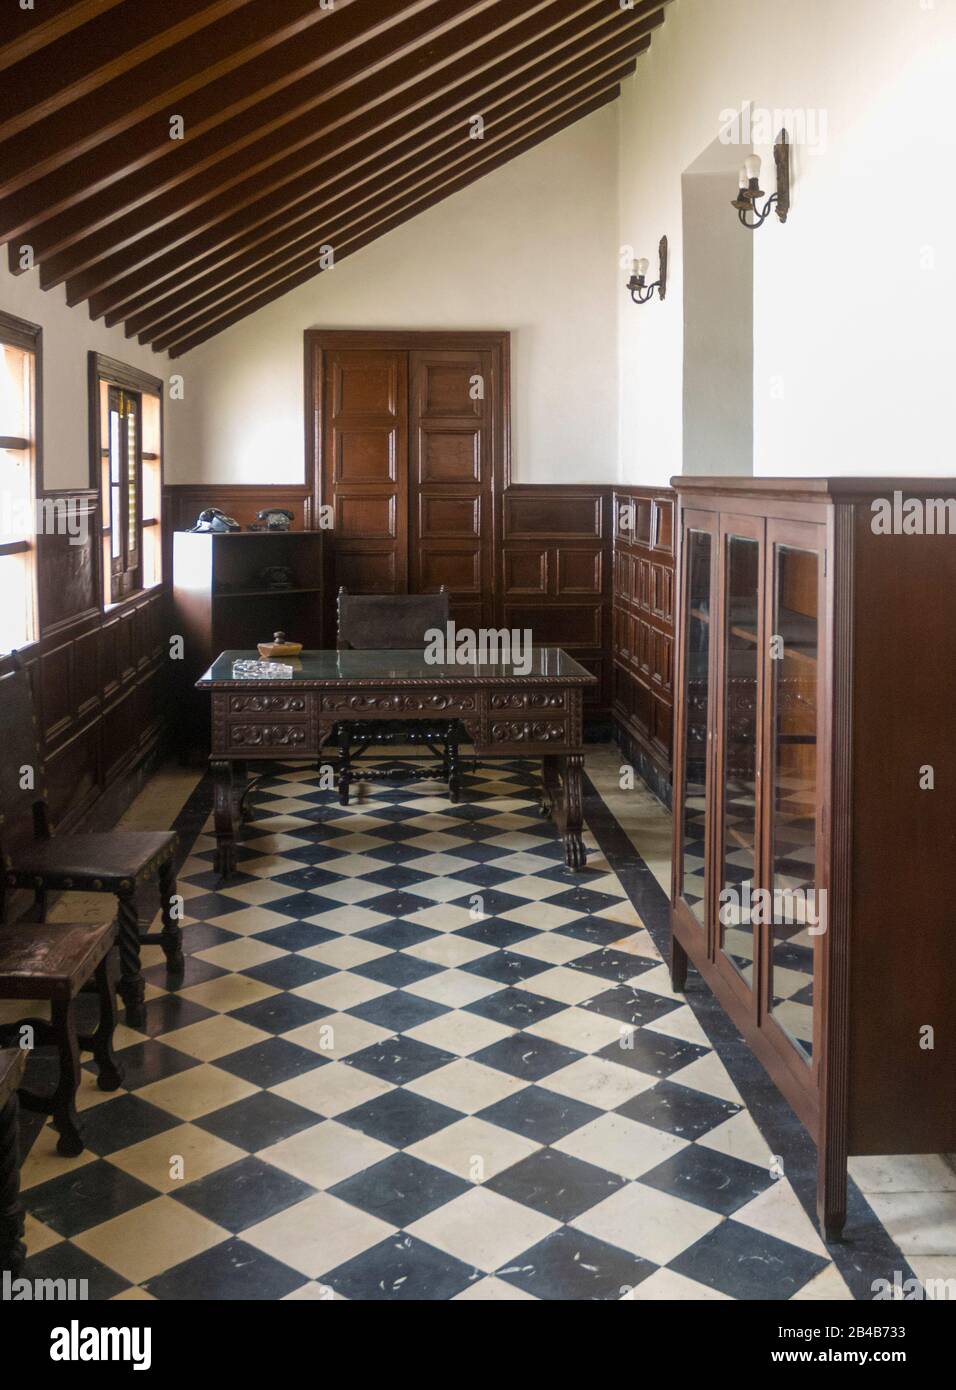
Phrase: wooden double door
(411, 438)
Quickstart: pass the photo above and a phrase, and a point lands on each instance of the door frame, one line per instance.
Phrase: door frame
(319, 341)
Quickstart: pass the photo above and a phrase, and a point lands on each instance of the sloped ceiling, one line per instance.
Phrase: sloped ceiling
(304, 125)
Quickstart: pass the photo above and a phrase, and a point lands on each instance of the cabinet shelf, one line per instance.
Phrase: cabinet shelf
(266, 593)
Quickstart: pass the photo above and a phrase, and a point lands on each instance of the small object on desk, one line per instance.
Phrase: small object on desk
(272, 519)
(212, 519)
(279, 646)
(261, 670)
(278, 577)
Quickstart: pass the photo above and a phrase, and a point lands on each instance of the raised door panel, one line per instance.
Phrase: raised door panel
(365, 446)
(451, 478)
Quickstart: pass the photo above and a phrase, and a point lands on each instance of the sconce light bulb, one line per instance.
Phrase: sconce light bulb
(742, 179)
(641, 266)
(752, 166)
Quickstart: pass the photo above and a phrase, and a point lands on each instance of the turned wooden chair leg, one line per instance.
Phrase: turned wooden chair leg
(109, 1076)
(132, 986)
(172, 936)
(12, 1249)
(63, 1100)
(345, 766)
(454, 766)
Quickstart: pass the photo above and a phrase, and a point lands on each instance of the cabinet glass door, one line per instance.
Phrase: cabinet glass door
(740, 691)
(698, 572)
(798, 908)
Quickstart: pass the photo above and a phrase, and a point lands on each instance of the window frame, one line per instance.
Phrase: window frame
(128, 382)
(27, 337)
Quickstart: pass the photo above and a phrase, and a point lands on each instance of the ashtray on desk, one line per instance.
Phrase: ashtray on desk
(261, 670)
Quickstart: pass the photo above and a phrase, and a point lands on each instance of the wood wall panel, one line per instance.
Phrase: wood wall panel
(554, 576)
(643, 628)
(99, 679)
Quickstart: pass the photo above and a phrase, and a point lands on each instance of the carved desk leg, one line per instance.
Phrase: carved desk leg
(574, 855)
(224, 815)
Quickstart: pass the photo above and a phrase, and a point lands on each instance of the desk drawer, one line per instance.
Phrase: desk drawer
(556, 732)
(400, 704)
(256, 703)
(537, 704)
(266, 737)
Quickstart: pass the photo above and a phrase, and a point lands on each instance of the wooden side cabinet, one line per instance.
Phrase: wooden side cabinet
(814, 869)
(233, 590)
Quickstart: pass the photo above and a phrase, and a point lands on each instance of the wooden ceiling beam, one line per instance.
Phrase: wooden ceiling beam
(267, 296)
(25, 32)
(375, 212)
(398, 183)
(73, 65)
(153, 230)
(45, 160)
(227, 221)
(153, 197)
(171, 279)
(230, 92)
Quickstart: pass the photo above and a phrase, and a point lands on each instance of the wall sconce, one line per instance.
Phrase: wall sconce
(750, 190)
(640, 290)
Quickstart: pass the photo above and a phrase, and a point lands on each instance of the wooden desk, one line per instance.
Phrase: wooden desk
(506, 713)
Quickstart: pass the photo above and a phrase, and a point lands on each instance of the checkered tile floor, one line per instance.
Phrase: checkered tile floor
(415, 1057)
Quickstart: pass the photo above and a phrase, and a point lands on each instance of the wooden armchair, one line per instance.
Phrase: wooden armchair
(115, 861)
(394, 622)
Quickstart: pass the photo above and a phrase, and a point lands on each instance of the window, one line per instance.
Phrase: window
(128, 412)
(19, 470)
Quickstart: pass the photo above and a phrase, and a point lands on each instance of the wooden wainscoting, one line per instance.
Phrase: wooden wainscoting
(99, 678)
(643, 630)
(555, 575)
(184, 501)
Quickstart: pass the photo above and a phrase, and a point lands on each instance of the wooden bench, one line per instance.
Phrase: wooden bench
(54, 961)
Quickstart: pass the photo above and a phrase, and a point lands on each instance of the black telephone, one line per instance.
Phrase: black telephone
(272, 519)
(212, 519)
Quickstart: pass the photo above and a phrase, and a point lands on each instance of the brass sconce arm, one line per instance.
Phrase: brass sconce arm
(750, 190)
(640, 291)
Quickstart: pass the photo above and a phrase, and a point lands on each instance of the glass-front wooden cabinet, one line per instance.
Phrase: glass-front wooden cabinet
(813, 873)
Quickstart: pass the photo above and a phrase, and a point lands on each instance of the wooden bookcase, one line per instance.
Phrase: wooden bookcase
(814, 869)
(225, 598)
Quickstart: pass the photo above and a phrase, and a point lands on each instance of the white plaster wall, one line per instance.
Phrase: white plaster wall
(68, 335)
(854, 299)
(530, 248)
(718, 332)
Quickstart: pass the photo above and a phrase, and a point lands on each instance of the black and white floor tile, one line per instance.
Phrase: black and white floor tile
(415, 1057)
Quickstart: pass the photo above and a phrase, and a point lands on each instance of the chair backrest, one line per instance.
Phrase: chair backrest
(22, 777)
(396, 622)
